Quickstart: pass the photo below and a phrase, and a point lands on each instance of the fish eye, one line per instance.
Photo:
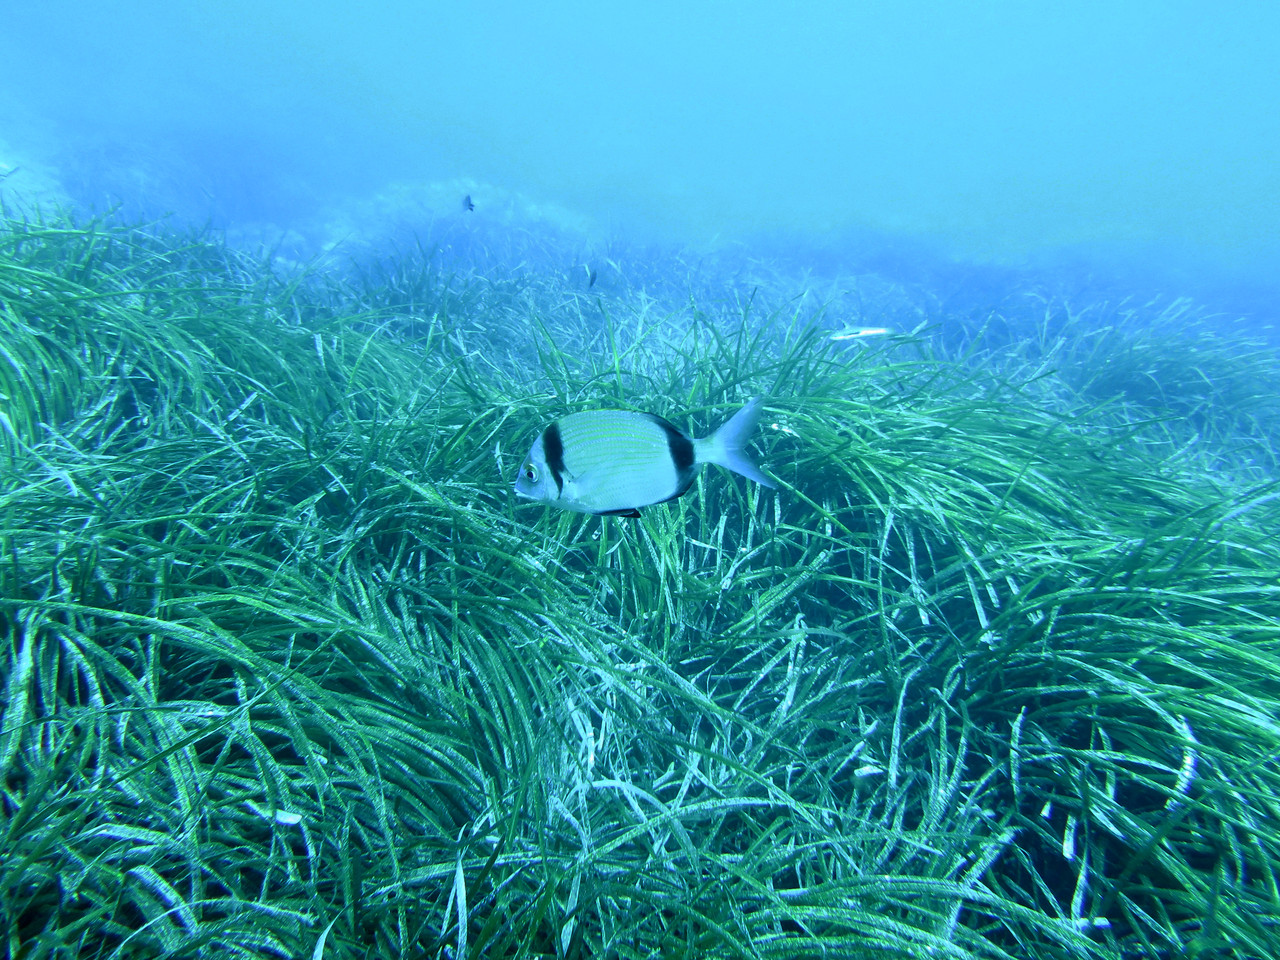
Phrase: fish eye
(531, 473)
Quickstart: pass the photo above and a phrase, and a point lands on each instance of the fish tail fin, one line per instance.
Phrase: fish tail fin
(727, 447)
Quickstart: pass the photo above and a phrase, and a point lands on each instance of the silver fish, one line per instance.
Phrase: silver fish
(616, 461)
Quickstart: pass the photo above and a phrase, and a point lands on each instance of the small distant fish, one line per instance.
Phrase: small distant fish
(591, 275)
(853, 333)
(467, 205)
(615, 461)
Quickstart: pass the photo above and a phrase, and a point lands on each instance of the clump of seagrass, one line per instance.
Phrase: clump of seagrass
(288, 671)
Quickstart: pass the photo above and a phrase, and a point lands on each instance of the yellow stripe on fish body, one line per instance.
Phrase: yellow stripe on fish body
(616, 461)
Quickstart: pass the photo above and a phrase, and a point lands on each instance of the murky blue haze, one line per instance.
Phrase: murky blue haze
(1132, 145)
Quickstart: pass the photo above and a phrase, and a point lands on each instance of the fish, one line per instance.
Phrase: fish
(467, 205)
(853, 333)
(613, 462)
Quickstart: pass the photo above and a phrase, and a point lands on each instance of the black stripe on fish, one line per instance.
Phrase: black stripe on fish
(681, 449)
(553, 450)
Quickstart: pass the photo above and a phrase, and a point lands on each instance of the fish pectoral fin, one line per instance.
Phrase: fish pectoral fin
(626, 512)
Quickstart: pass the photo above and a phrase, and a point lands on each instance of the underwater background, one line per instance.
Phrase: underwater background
(286, 293)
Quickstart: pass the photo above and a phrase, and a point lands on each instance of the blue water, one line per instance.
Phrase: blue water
(1140, 141)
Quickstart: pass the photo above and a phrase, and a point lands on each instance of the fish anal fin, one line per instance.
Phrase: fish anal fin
(625, 512)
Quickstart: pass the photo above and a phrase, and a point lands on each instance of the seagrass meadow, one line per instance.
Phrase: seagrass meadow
(288, 672)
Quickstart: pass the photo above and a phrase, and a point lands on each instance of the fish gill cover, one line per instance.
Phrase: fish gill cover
(288, 671)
